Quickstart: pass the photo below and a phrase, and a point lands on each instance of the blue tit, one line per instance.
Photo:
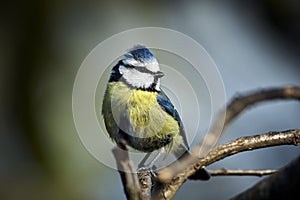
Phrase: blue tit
(137, 111)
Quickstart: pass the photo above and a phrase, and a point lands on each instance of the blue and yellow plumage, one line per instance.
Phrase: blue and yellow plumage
(137, 111)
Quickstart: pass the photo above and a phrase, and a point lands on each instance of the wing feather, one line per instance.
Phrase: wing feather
(166, 104)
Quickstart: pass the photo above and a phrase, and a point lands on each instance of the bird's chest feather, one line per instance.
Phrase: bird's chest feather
(143, 109)
(145, 117)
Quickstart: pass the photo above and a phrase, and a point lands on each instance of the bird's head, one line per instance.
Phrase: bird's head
(139, 69)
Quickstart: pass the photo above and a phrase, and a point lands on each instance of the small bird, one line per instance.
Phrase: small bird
(137, 111)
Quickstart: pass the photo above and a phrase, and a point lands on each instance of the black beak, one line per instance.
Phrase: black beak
(159, 74)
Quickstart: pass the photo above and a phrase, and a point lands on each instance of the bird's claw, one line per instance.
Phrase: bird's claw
(150, 169)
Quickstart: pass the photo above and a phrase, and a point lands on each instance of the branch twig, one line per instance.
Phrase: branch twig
(239, 172)
(240, 103)
(281, 185)
(126, 169)
(249, 143)
(235, 107)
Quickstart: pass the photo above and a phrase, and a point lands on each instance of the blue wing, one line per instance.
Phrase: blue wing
(164, 101)
(166, 104)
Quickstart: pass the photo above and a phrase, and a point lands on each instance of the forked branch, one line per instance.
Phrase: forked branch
(234, 108)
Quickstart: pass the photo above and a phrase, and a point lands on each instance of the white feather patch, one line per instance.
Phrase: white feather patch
(152, 65)
(136, 78)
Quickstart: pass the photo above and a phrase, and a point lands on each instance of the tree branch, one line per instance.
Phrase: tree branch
(126, 169)
(239, 172)
(249, 143)
(145, 179)
(235, 107)
(282, 185)
(240, 103)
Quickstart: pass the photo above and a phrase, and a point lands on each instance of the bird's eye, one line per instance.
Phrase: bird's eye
(129, 66)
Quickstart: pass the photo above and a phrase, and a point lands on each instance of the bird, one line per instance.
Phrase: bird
(136, 110)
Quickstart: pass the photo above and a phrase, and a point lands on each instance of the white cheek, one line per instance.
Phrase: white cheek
(138, 79)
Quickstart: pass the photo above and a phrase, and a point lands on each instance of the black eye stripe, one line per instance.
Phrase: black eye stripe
(144, 70)
(140, 69)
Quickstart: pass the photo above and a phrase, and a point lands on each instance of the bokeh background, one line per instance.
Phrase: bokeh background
(255, 44)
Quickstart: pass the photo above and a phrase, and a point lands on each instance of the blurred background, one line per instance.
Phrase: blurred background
(255, 44)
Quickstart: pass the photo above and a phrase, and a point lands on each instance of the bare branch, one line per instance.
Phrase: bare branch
(240, 172)
(240, 103)
(235, 107)
(281, 185)
(145, 179)
(249, 143)
(126, 169)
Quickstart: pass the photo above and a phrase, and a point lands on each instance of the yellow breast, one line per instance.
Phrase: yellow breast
(146, 117)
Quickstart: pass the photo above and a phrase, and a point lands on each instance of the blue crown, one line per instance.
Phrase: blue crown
(140, 53)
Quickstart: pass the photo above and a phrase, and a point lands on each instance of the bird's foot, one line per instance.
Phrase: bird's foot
(151, 169)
